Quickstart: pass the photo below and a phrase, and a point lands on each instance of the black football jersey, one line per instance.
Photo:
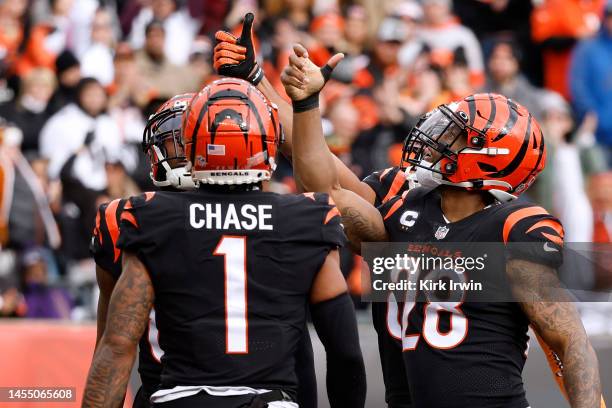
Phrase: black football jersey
(387, 184)
(468, 353)
(232, 274)
(107, 255)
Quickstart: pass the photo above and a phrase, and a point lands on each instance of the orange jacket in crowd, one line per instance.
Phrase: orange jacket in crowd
(563, 19)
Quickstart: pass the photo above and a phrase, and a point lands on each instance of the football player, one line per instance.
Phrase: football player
(235, 57)
(472, 158)
(230, 270)
(163, 147)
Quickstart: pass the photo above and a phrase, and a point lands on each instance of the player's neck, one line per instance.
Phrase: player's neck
(457, 204)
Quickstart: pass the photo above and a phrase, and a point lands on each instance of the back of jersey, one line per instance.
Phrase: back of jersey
(232, 274)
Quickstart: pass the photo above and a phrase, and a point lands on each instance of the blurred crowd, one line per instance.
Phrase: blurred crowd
(79, 78)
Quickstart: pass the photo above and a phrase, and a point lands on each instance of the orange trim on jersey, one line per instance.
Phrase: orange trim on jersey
(309, 195)
(331, 214)
(128, 205)
(554, 238)
(129, 217)
(394, 208)
(548, 223)
(149, 195)
(519, 215)
(97, 228)
(111, 223)
(330, 200)
(398, 182)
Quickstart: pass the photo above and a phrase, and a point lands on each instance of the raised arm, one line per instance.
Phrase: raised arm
(555, 319)
(332, 313)
(128, 313)
(236, 57)
(313, 164)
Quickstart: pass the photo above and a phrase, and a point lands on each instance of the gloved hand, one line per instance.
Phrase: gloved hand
(235, 57)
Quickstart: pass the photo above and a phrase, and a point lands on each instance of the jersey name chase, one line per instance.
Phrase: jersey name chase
(229, 216)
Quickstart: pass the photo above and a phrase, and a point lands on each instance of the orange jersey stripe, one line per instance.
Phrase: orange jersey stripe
(548, 223)
(309, 195)
(129, 217)
(111, 222)
(149, 195)
(331, 214)
(97, 227)
(519, 215)
(394, 208)
(398, 182)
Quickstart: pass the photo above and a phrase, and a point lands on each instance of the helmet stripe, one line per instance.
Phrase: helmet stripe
(511, 121)
(519, 156)
(472, 109)
(491, 115)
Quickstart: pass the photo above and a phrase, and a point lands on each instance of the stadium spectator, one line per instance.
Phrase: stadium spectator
(27, 216)
(356, 31)
(178, 25)
(78, 126)
(97, 61)
(163, 77)
(455, 79)
(412, 14)
(68, 73)
(42, 300)
(28, 112)
(199, 60)
(561, 188)
(391, 35)
(443, 34)
(47, 39)
(13, 20)
(591, 81)
(504, 77)
(557, 25)
(491, 20)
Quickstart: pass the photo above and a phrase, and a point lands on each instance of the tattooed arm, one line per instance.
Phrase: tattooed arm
(361, 220)
(555, 318)
(128, 313)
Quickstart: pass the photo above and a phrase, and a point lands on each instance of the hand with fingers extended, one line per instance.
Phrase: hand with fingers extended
(235, 57)
(303, 79)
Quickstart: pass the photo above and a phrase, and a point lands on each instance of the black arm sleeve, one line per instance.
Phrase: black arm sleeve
(305, 371)
(335, 323)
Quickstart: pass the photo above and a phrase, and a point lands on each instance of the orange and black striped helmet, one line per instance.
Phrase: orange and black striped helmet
(483, 142)
(231, 133)
(162, 143)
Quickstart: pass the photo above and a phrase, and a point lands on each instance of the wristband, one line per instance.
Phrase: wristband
(307, 104)
(257, 76)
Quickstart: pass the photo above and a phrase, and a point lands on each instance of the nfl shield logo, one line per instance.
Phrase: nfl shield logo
(441, 232)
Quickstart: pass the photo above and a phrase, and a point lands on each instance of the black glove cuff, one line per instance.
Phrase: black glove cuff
(257, 76)
(307, 104)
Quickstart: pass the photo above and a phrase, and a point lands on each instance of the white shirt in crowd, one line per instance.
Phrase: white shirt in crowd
(65, 133)
(180, 28)
(97, 62)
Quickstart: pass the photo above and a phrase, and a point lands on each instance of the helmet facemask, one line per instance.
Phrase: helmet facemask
(162, 143)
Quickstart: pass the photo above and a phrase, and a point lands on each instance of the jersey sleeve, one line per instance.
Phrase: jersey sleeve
(314, 219)
(134, 236)
(530, 233)
(103, 244)
(386, 184)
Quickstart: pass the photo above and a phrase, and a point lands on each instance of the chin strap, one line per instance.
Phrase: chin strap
(179, 177)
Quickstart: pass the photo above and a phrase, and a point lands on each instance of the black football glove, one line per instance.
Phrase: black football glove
(235, 57)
